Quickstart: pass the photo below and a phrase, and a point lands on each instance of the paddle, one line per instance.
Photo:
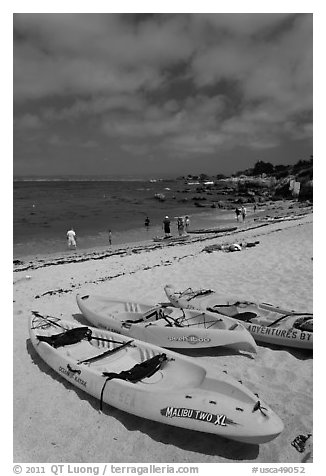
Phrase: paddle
(106, 340)
(106, 353)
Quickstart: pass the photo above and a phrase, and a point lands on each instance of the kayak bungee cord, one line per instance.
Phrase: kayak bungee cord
(48, 320)
(192, 294)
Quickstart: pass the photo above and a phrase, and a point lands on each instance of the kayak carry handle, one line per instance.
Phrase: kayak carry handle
(75, 371)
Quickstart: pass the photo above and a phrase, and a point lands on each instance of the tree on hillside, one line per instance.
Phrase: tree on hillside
(281, 171)
(281, 168)
(302, 164)
(263, 168)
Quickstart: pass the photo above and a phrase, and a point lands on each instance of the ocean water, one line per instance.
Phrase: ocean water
(45, 210)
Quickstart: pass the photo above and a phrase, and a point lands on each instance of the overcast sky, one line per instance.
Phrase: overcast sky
(166, 94)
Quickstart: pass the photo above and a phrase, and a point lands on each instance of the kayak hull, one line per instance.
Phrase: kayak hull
(178, 331)
(265, 322)
(180, 393)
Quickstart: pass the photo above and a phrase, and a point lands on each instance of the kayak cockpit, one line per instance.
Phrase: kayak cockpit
(122, 358)
(175, 317)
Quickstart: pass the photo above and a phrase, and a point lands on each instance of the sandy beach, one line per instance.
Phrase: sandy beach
(49, 413)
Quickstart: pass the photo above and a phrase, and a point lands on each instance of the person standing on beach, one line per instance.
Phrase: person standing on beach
(255, 208)
(243, 212)
(237, 213)
(180, 224)
(166, 226)
(72, 239)
(147, 222)
(187, 223)
(110, 238)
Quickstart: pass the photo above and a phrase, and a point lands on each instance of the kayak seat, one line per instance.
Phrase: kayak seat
(232, 311)
(245, 316)
(70, 336)
(304, 324)
(139, 371)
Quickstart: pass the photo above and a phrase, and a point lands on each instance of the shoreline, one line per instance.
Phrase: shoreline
(40, 225)
(102, 251)
(86, 242)
(278, 270)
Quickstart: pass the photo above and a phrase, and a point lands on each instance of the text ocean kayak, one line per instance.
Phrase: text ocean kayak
(152, 383)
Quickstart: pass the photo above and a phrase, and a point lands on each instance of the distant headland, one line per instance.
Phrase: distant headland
(261, 183)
